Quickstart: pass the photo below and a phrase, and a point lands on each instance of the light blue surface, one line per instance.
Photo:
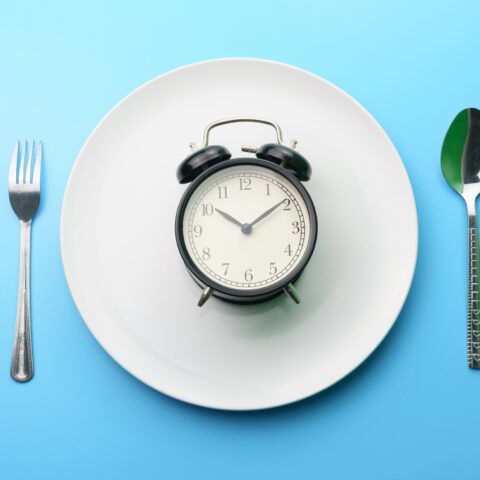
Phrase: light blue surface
(411, 411)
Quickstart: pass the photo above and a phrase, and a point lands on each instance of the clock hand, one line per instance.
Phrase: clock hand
(229, 217)
(268, 212)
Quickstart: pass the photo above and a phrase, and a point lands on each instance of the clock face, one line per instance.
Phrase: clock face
(246, 227)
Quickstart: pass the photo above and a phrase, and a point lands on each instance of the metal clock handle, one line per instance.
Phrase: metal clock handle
(225, 121)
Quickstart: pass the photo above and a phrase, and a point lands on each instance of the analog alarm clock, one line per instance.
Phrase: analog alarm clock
(246, 227)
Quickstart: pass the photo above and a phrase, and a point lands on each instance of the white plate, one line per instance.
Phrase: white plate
(133, 291)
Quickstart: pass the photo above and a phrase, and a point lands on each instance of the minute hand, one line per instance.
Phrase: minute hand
(268, 212)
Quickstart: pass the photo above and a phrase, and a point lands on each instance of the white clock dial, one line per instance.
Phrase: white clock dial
(246, 227)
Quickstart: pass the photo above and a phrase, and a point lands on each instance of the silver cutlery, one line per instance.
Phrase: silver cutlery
(24, 194)
(461, 168)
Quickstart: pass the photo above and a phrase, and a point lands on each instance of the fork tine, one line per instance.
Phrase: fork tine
(12, 176)
(38, 165)
(28, 176)
(21, 170)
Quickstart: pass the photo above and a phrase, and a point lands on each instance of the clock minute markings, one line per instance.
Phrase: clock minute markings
(221, 192)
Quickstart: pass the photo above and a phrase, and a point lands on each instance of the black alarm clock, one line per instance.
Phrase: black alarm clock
(245, 227)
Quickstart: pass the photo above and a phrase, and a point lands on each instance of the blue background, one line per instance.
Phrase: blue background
(411, 411)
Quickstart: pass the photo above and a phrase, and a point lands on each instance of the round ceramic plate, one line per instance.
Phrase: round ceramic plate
(133, 291)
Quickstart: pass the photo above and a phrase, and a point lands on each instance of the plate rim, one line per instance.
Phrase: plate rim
(210, 404)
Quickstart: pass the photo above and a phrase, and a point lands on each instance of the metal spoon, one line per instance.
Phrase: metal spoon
(461, 169)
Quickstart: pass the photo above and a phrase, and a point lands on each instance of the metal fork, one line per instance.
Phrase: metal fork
(24, 193)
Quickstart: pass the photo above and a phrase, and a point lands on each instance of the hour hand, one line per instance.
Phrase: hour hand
(229, 217)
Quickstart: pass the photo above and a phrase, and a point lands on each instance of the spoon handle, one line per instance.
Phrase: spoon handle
(473, 326)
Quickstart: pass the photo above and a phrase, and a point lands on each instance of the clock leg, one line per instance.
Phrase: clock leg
(291, 291)
(206, 294)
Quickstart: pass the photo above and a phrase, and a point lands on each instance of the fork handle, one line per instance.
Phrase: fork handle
(22, 359)
(473, 327)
